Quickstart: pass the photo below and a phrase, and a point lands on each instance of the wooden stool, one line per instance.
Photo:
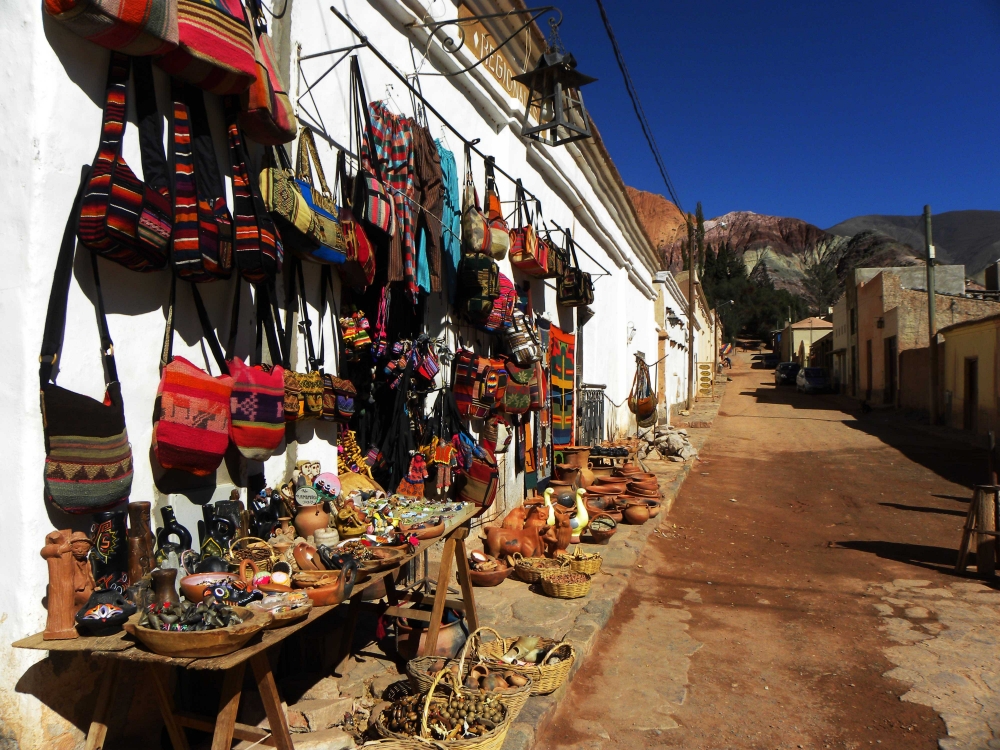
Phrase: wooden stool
(982, 521)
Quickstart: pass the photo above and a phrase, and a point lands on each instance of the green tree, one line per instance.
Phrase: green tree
(821, 284)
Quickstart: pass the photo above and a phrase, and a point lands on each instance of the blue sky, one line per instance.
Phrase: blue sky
(817, 110)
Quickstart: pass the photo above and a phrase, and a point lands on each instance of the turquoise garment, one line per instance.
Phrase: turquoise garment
(423, 269)
(451, 220)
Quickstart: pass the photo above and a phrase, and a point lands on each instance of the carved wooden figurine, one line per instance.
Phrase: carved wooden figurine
(57, 552)
(80, 545)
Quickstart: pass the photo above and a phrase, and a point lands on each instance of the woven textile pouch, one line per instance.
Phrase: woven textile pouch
(215, 50)
(88, 459)
(135, 27)
(501, 314)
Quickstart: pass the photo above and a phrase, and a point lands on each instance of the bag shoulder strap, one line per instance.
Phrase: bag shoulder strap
(369, 131)
(55, 316)
(155, 171)
(571, 247)
(305, 325)
(115, 117)
(207, 176)
(209, 333)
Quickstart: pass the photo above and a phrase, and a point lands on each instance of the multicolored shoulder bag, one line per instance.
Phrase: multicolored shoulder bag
(88, 458)
(331, 240)
(268, 116)
(135, 27)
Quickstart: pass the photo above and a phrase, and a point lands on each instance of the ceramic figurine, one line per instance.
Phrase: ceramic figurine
(83, 573)
(104, 613)
(59, 625)
(140, 541)
(170, 528)
(305, 473)
(579, 521)
(215, 533)
(233, 510)
(557, 538)
(165, 586)
(262, 518)
(110, 553)
(550, 520)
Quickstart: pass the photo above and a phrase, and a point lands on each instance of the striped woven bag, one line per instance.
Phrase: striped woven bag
(135, 27)
(268, 116)
(258, 252)
(123, 218)
(203, 227)
(215, 48)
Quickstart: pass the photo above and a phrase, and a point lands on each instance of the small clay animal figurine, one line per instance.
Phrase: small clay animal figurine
(104, 613)
(515, 519)
(502, 542)
(557, 538)
(59, 624)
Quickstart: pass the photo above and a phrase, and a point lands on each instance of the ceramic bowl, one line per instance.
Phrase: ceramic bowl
(423, 531)
(196, 586)
(203, 643)
(490, 578)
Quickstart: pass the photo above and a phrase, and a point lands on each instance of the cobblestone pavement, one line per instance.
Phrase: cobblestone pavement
(949, 654)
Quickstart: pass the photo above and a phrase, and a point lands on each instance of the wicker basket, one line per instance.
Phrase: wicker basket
(514, 698)
(546, 678)
(491, 741)
(566, 590)
(533, 569)
(586, 562)
(255, 549)
(418, 671)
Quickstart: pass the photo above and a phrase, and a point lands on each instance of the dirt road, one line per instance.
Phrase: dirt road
(753, 622)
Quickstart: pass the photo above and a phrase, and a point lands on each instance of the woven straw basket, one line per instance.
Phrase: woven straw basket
(421, 678)
(491, 741)
(566, 590)
(589, 563)
(533, 569)
(514, 698)
(545, 678)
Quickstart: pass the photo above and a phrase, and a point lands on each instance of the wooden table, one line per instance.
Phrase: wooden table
(121, 648)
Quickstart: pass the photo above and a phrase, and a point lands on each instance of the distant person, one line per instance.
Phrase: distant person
(728, 362)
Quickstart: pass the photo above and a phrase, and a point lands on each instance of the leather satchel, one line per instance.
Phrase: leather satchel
(575, 288)
(123, 218)
(88, 458)
(476, 237)
(499, 232)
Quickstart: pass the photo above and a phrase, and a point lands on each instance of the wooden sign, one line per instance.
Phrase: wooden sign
(706, 383)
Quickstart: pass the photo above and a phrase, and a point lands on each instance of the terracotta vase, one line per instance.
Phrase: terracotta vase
(411, 634)
(309, 518)
(286, 525)
(165, 586)
(110, 554)
(567, 473)
(587, 477)
(59, 625)
(140, 541)
(636, 513)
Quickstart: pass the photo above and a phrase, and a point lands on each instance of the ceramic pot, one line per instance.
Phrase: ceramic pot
(309, 518)
(286, 525)
(643, 485)
(307, 557)
(611, 482)
(165, 586)
(411, 634)
(335, 593)
(197, 586)
(654, 509)
(110, 553)
(578, 456)
(567, 473)
(601, 470)
(489, 578)
(614, 512)
(140, 541)
(636, 513)
(640, 492)
(104, 613)
(587, 477)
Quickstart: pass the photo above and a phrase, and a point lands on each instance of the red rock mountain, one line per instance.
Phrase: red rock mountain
(749, 231)
(664, 223)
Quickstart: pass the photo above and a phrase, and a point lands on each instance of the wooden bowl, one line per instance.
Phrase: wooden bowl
(385, 558)
(194, 587)
(203, 643)
(282, 619)
(490, 578)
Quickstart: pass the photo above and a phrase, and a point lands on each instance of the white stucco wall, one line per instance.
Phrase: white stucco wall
(50, 116)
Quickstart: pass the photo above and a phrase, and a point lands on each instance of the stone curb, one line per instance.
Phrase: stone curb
(588, 624)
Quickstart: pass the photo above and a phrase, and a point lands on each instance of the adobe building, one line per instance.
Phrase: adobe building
(970, 374)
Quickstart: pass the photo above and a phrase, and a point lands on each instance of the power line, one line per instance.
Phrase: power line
(637, 106)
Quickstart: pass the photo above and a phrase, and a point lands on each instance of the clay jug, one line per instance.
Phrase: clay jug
(171, 527)
(587, 476)
(165, 586)
(110, 553)
(568, 473)
(309, 518)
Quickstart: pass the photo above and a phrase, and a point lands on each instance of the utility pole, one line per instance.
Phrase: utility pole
(691, 308)
(931, 317)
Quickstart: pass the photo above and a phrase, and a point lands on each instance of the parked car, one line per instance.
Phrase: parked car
(812, 380)
(784, 374)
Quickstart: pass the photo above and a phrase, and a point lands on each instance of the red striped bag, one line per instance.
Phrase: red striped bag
(192, 409)
(268, 116)
(502, 312)
(215, 48)
(122, 217)
(135, 27)
(528, 252)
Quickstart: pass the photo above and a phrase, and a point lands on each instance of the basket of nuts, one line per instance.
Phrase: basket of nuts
(534, 569)
(451, 718)
(566, 585)
(512, 687)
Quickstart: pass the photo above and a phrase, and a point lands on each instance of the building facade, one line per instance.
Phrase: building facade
(797, 339)
(60, 86)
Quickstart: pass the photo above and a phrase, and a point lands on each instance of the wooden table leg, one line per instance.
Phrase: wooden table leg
(163, 697)
(465, 583)
(440, 594)
(276, 718)
(347, 632)
(98, 732)
(229, 706)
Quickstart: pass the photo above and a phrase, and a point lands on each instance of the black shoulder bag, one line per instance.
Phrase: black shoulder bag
(88, 459)
(575, 289)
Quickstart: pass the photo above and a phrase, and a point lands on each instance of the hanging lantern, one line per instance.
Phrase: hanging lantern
(554, 95)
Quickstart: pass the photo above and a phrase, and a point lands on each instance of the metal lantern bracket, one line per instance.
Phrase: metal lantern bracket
(451, 47)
